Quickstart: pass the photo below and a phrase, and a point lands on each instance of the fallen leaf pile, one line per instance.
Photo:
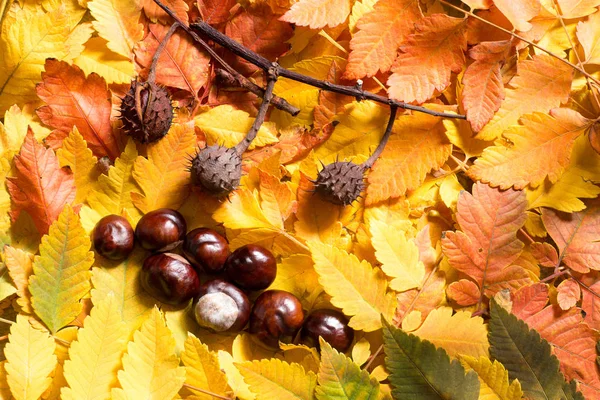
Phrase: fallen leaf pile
(469, 268)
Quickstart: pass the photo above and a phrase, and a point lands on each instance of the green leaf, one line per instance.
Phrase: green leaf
(527, 357)
(419, 370)
(340, 378)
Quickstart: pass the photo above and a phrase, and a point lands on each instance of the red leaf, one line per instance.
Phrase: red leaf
(215, 12)
(569, 294)
(154, 12)
(76, 100)
(464, 292)
(40, 186)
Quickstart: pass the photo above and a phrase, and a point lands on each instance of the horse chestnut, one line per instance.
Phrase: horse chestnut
(161, 230)
(276, 313)
(251, 267)
(331, 325)
(113, 237)
(206, 249)
(169, 278)
(221, 307)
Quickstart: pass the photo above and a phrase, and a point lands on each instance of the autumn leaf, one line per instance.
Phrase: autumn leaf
(519, 12)
(113, 67)
(422, 300)
(40, 187)
(74, 99)
(75, 154)
(587, 33)
(569, 293)
(493, 378)
(380, 32)
(155, 13)
(202, 368)
(117, 22)
(434, 51)
(464, 292)
(577, 8)
(318, 13)
(277, 379)
(20, 267)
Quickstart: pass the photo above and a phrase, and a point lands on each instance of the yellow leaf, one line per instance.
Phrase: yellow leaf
(457, 334)
(359, 9)
(317, 14)
(247, 347)
(163, 176)
(113, 67)
(361, 351)
(6, 286)
(226, 126)
(75, 154)
(29, 360)
(450, 188)
(493, 378)
(461, 135)
(63, 339)
(20, 268)
(356, 287)
(398, 256)
(117, 22)
(61, 275)
(202, 369)
(4, 388)
(276, 379)
(277, 198)
(234, 377)
(296, 275)
(95, 357)
(151, 368)
(25, 45)
(72, 9)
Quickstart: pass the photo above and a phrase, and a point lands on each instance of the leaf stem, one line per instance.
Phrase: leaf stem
(583, 285)
(386, 136)
(218, 396)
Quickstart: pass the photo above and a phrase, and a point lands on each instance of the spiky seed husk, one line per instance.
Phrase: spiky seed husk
(217, 169)
(146, 112)
(340, 182)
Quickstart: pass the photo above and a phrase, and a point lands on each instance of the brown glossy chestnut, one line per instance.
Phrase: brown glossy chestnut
(169, 278)
(221, 307)
(161, 230)
(276, 313)
(331, 325)
(113, 237)
(251, 267)
(206, 249)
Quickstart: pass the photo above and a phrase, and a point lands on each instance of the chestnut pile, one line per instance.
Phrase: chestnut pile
(221, 303)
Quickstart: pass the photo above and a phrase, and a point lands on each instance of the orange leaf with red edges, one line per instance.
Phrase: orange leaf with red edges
(428, 58)
(487, 248)
(317, 14)
(40, 186)
(569, 294)
(576, 236)
(464, 292)
(155, 13)
(182, 64)
(74, 99)
(380, 32)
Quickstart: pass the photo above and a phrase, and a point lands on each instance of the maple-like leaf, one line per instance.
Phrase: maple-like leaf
(356, 287)
(493, 378)
(317, 14)
(538, 148)
(182, 64)
(162, 176)
(29, 360)
(418, 369)
(113, 67)
(150, 367)
(117, 22)
(541, 84)
(427, 58)
(74, 99)
(487, 247)
(464, 292)
(273, 378)
(25, 45)
(95, 357)
(155, 13)
(380, 32)
(202, 368)
(40, 187)
(417, 146)
(577, 8)
(576, 236)
(61, 274)
(484, 89)
(341, 379)
(569, 293)
(519, 12)
(75, 154)
(20, 267)
(587, 33)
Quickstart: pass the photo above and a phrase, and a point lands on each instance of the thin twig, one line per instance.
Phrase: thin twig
(218, 396)
(470, 14)
(386, 136)
(583, 285)
(159, 50)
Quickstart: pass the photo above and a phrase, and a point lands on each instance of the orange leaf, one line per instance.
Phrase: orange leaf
(591, 305)
(330, 103)
(484, 89)
(154, 12)
(424, 301)
(380, 32)
(417, 146)
(529, 300)
(519, 12)
(464, 292)
(577, 8)
(569, 294)
(545, 254)
(215, 12)
(317, 14)
(76, 100)
(40, 187)
(431, 53)
(538, 148)
(182, 64)
(487, 248)
(576, 236)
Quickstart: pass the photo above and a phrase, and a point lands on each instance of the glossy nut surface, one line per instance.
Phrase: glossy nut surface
(217, 322)
(251, 267)
(169, 278)
(113, 237)
(276, 313)
(206, 249)
(331, 325)
(161, 230)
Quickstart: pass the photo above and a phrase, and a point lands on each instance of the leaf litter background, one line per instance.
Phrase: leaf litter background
(497, 215)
